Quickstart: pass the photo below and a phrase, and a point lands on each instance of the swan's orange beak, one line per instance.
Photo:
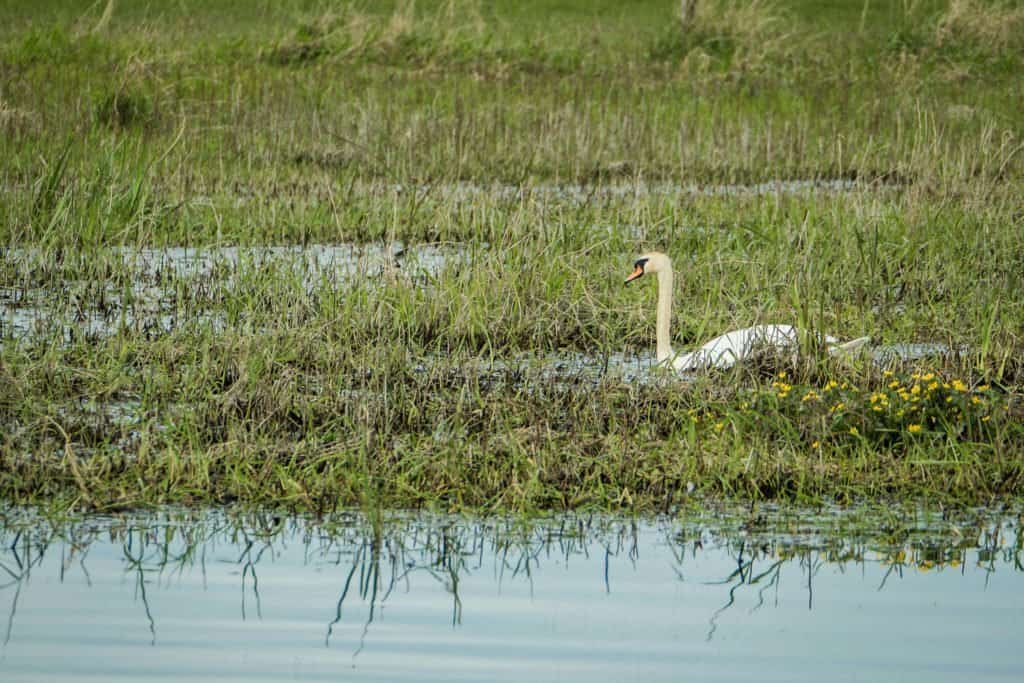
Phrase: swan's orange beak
(637, 272)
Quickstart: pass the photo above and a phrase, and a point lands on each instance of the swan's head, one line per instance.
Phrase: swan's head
(654, 262)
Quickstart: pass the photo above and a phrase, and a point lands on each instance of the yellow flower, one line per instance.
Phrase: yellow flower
(913, 429)
(832, 384)
(983, 387)
(853, 430)
(719, 426)
(816, 444)
(887, 373)
(810, 396)
(933, 386)
(929, 377)
(893, 384)
(959, 386)
(916, 389)
(782, 375)
(985, 419)
(837, 407)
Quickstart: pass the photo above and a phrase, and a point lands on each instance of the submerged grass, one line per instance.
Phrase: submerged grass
(539, 150)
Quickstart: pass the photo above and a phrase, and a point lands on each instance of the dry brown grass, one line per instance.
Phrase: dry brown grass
(750, 23)
(995, 27)
(749, 32)
(13, 119)
(351, 32)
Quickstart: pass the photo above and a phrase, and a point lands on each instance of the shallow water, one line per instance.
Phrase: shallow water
(170, 287)
(153, 297)
(581, 193)
(713, 595)
(620, 184)
(569, 369)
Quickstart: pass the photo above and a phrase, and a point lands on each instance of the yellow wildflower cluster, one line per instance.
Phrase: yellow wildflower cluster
(917, 404)
(781, 388)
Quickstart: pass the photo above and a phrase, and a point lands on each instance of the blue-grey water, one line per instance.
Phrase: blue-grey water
(710, 595)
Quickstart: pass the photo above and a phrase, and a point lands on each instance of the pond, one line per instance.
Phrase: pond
(709, 594)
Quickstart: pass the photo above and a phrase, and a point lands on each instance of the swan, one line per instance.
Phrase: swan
(728, 349)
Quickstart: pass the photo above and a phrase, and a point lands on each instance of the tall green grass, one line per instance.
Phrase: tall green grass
(543, 148)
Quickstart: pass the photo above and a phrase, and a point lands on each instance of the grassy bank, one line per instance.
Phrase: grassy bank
(538, 149)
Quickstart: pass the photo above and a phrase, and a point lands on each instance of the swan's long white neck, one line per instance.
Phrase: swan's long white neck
(664, 343)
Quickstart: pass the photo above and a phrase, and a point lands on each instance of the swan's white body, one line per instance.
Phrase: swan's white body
(732, 347)
(728, 349)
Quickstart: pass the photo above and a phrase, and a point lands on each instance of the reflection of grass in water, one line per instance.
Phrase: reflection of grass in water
(273, 385)
(377, 555)
(136, 564)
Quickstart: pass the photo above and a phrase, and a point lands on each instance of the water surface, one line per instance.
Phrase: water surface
(783, 595)
(157, 290)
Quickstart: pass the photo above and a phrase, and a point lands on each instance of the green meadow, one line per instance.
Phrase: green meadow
(492, 170)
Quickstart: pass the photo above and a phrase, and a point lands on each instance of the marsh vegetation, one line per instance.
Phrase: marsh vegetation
(489, 172)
